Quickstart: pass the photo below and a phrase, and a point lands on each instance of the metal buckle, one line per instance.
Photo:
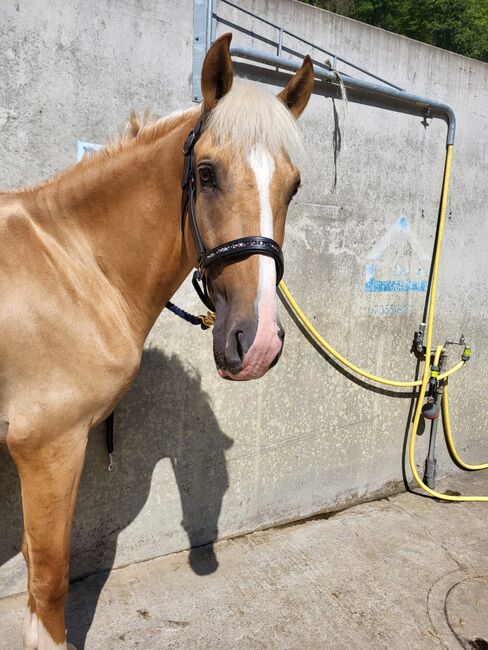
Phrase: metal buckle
(208, 319)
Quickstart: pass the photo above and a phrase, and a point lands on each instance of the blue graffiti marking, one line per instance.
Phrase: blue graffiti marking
(375, 286)
(399, 255)
(84, 148)
(402, 223)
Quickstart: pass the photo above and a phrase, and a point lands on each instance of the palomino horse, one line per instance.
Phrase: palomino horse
(90, 258)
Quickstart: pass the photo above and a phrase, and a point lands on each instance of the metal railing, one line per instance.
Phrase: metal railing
(376, 92)
(280, 48)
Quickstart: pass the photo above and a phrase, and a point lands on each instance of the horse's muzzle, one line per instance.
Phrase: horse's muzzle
(248, 350)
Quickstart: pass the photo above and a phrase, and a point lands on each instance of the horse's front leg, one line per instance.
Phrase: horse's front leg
(49, 469)
(30, 617)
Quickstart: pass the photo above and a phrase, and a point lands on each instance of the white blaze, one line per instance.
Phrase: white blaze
(263, 166)
(266, 344)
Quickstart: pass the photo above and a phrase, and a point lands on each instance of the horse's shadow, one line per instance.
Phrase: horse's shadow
(165, 415)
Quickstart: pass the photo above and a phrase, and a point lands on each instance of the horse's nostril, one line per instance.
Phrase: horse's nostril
(240, 350)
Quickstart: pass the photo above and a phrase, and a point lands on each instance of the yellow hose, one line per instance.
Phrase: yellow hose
(428, 346)
(448, 434)
(337, 355)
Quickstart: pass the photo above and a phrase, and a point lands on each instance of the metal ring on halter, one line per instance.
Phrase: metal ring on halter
(244, 246)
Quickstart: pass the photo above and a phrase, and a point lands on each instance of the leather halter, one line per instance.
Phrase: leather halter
(233, 249)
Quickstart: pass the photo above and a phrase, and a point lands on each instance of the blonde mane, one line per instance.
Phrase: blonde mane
(246, 116)
(144, 129)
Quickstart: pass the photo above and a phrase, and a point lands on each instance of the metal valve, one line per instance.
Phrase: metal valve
(418, 339)
(430, 409)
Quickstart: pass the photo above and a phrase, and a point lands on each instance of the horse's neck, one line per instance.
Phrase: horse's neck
(127, 209)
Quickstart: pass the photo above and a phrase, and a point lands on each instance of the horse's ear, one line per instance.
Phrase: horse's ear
(217, 72)
(297, 92)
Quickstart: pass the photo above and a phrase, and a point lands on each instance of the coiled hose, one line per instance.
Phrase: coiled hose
(423, 383)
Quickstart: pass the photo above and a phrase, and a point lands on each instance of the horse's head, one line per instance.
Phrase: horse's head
(245, 180)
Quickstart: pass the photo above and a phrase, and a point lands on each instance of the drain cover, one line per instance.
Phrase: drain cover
(466, 607)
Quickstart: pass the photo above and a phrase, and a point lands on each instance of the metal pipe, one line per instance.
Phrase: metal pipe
(280, 42)
(209, 27)
(363, 92)
(431, 460)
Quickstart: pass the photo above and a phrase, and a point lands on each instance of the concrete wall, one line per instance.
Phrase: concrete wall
(198, 458)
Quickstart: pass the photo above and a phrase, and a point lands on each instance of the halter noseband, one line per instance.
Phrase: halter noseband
(231, 249)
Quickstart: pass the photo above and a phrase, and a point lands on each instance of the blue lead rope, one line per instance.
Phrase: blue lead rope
(205, 321)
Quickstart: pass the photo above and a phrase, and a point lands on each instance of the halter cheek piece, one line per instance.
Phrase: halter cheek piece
(233, 249)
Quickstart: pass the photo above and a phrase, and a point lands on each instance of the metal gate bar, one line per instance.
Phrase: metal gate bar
(383, 95)
(284, 32)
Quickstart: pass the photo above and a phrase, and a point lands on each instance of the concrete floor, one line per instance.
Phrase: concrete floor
(400, 573)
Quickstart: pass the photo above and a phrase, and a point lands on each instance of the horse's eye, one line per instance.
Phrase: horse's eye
(206, 176)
